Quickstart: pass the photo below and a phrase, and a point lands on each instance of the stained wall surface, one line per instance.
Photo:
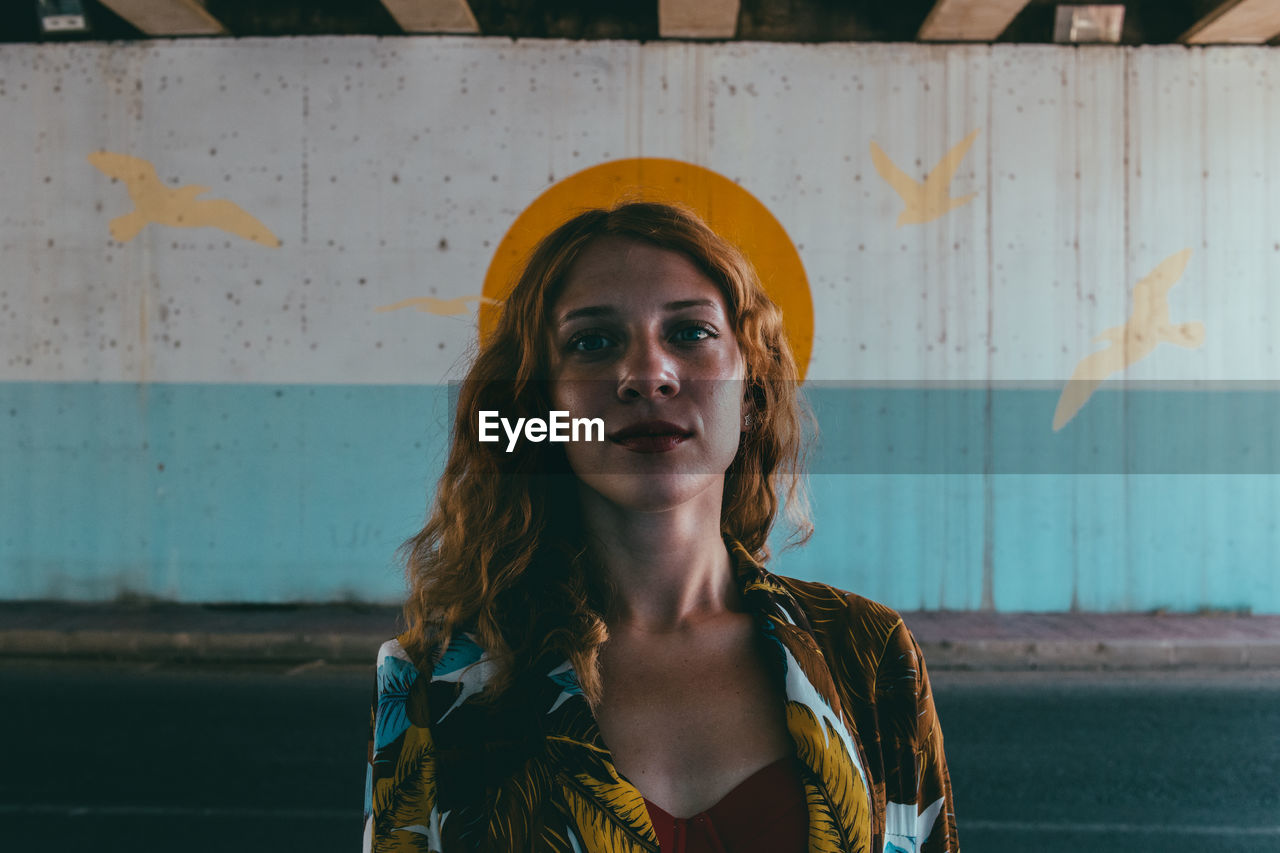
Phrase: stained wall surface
(1045, 376)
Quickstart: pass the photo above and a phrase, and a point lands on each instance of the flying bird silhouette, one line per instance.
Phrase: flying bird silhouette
(179, 207)
(928, 199)
(443, 307)
(1147, 326)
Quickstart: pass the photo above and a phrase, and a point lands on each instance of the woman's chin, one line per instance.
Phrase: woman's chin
(651, 492)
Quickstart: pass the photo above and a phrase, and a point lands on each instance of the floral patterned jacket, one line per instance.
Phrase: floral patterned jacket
(451, 775)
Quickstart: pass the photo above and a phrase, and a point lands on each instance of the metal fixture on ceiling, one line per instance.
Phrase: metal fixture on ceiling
(61, 16)
(1094, 24)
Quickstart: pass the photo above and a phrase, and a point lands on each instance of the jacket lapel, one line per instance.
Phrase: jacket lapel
(563, 779)
(836, 788)
(607, 811)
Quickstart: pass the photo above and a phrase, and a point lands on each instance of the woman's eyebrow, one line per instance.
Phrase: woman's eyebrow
(689, 303)
(609, 310)
(589, 311)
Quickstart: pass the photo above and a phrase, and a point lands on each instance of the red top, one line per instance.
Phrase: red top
(766, 813)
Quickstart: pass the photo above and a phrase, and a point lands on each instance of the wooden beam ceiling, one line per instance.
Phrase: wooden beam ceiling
(969, 20)
(433, 16)
(1237, 22)
(167, 17)
(707, 19)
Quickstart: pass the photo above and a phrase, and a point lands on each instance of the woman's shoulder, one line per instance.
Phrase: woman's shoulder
(459, 667)
(831, 607)
(393, 649)
(859, 633)
(394, 661)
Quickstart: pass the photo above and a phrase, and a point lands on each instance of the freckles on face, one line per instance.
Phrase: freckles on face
(642, 339)
(640, 323)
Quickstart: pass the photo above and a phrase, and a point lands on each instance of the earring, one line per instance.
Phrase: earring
(746, 421)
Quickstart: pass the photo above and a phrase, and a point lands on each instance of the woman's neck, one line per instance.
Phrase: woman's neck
(666, 570)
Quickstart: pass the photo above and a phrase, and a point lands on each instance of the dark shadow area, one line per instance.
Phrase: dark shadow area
(825, 20)
(568, 19)
(312, 18)
(1146, 21)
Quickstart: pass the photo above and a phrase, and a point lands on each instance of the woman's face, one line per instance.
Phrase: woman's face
(641, 338)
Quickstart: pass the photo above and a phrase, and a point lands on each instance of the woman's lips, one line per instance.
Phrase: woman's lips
(651, 436)
(651, 443)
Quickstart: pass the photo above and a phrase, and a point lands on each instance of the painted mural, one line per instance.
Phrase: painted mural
(176, 207)
(728, 208)
(1147, 326)
(238, 278)
(928, 199)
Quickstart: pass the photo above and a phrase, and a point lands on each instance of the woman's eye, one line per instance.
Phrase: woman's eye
(588, 342)
(691, 334)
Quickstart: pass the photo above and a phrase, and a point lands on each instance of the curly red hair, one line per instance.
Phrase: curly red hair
(502, 554)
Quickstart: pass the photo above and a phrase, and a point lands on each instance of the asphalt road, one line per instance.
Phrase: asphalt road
(144, 759)
(1073, 762)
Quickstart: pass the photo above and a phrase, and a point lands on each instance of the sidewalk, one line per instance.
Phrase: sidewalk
(963, 640)
(351, 634)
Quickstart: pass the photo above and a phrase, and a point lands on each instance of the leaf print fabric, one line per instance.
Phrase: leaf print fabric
(450, 774)
(395, 676)
(839, 809)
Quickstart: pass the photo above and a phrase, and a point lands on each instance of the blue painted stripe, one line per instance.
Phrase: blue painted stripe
(1159, 428)
(303, 493)
(213, 492)
(1056, 542)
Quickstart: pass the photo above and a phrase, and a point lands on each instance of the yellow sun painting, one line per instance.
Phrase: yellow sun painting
(730, 210)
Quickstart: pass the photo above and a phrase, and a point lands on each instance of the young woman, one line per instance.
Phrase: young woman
(596, 658)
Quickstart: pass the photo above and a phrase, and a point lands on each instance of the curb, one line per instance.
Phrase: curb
(1143, 653)
(195, 647)
(362, 649)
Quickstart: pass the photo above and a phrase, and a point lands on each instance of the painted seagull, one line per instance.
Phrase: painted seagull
(1147, 326)
(443, 307)
(155, 202)
(928, 199)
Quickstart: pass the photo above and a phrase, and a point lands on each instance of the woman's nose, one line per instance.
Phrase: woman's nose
(647, 371)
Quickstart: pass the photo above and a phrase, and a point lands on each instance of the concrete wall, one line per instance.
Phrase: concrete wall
(223, 402)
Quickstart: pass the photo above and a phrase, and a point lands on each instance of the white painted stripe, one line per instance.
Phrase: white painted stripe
(1129, 828)
(375, 201)
(81, 810)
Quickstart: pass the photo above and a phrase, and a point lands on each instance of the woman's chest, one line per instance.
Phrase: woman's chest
(688, 719)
